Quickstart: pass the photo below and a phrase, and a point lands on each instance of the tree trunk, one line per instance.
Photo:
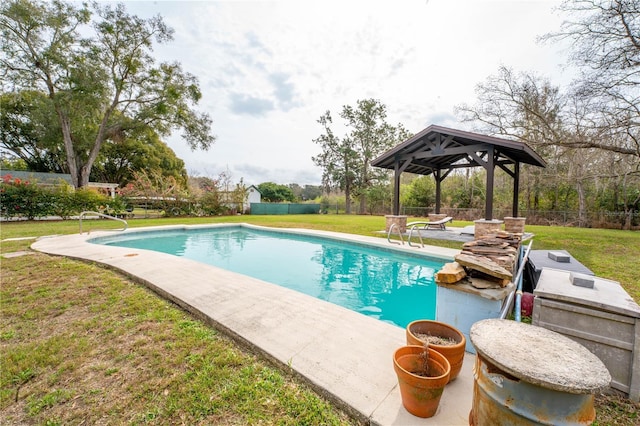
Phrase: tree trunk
(85, 170)
(83, 178)
(528, 195)
(68, 147)
(347, 199)
(79, 172)
(627, 219)
(536, 194)
(582, 213)
(365, 186)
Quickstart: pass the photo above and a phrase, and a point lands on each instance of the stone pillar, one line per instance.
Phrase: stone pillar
(514, 225)
(434, 217)
(399, 220)
(484, 227)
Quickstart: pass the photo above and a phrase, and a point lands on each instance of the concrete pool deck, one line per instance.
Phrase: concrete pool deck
(343, 355)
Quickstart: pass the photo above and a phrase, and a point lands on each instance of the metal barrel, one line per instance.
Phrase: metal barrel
(502, 399)
(528, 375)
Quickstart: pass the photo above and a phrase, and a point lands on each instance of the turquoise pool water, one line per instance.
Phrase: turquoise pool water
(384, 284)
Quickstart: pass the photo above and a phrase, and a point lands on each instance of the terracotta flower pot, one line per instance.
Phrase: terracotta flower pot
(453, 353)
(420, 394)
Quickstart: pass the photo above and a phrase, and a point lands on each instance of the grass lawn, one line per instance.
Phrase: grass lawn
(83, 344)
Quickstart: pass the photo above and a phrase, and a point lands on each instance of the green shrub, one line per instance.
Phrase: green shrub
(23, 199)
(85, 199)
(115, 206)
(210, 203)
(63, 203)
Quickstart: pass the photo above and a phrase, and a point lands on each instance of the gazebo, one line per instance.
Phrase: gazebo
(439, 150)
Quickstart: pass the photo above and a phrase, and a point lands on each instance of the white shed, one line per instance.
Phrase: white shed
(253, 196)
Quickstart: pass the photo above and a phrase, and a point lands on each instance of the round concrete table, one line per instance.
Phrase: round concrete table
(526, 374)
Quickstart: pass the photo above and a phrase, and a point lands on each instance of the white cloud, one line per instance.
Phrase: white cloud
(268, 70)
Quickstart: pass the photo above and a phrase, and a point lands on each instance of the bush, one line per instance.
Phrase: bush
(87, 199)
(63, 203)
(23, 199)
(210, 204)
(116, 206)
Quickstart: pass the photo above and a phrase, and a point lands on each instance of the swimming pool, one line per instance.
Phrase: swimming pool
(391, 286)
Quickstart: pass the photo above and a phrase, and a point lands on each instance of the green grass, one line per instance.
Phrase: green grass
(83, 344)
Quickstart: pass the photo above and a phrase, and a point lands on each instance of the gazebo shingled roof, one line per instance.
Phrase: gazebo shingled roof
(439, 150)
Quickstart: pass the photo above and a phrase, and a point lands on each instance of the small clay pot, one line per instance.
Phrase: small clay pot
(420, 394)
(453, 353)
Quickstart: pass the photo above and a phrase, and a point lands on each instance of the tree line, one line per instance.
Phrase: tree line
(589, 132)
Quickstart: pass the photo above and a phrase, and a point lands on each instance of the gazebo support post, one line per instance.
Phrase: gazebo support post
(396, 189)
(439, 177)
(397, 172)
(515, 175)
(490, 166)
(516, 188)
(436, 175)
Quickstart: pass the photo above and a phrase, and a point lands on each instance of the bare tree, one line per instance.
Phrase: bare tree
(530, 109)
(605, 45)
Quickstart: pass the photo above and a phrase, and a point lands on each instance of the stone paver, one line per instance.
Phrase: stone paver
(17, 254)
(19, 239)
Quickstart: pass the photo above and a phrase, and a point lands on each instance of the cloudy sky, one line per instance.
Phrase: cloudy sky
(269, 69)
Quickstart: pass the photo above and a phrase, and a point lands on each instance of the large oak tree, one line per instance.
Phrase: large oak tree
(29, 130)
(95, 65)
(139, 151)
